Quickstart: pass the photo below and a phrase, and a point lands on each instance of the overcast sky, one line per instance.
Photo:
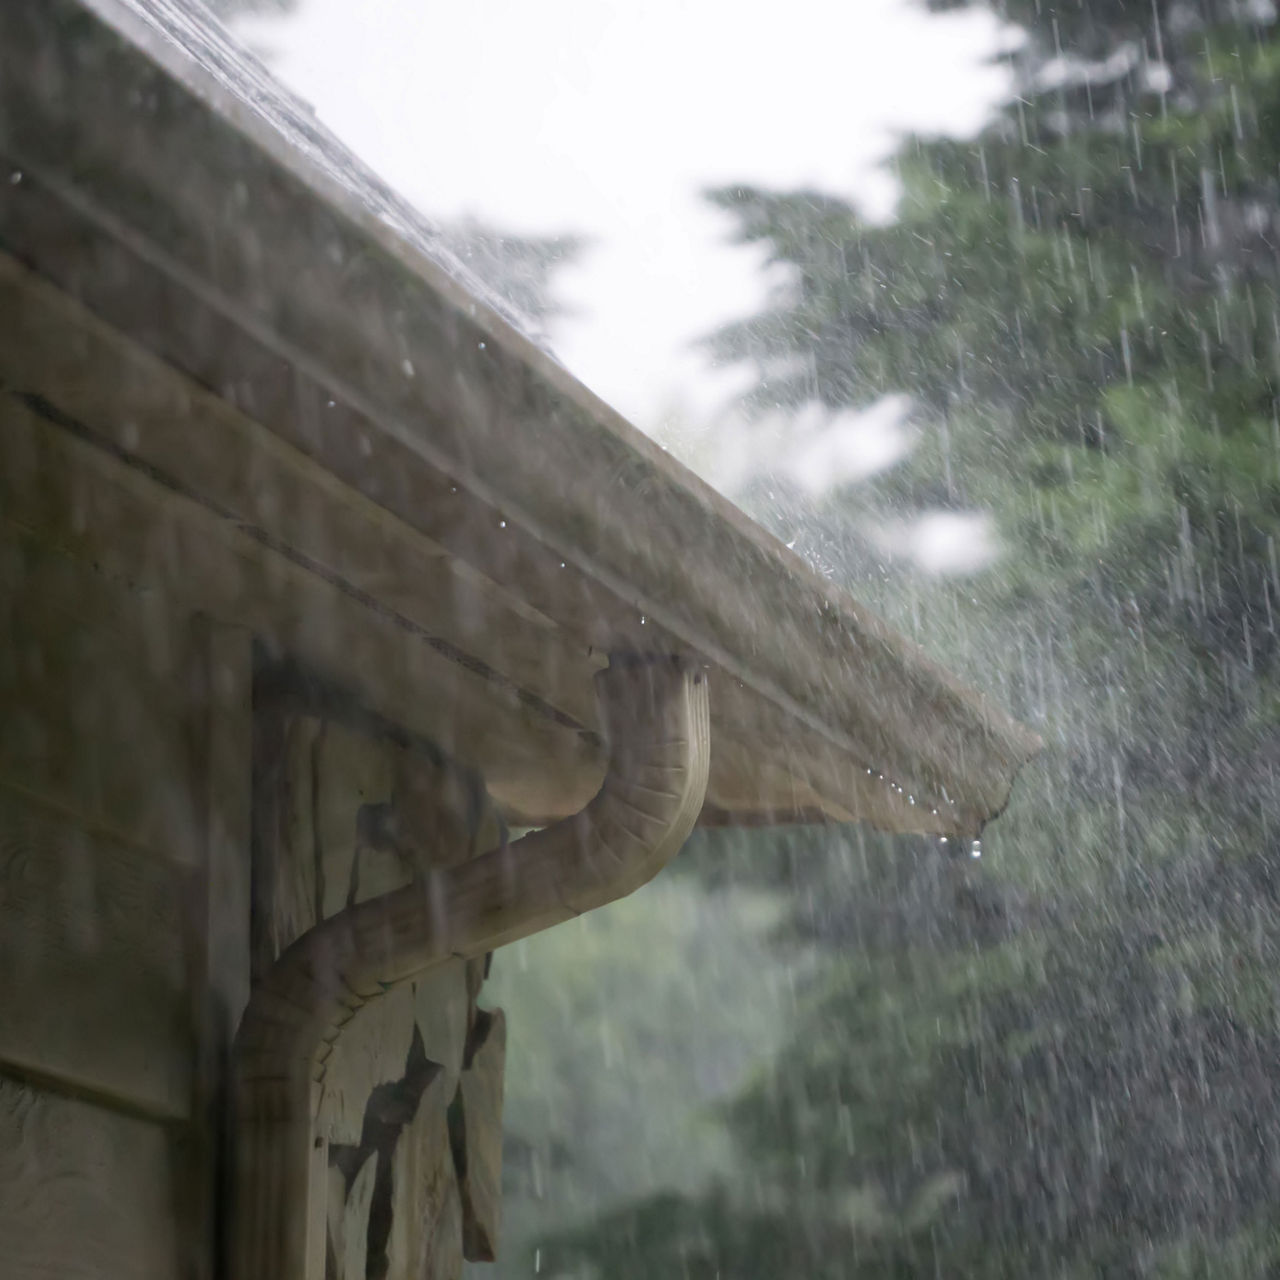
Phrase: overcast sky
(606, 118)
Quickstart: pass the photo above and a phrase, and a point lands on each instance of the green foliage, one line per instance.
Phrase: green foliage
(1064, 1060)
(519, 268)
(625, 1028)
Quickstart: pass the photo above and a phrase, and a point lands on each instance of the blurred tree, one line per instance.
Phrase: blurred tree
(620, 1051)
(1063, 1060)
(520, 269)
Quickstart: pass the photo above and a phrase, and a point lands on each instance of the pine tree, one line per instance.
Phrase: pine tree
(1064, 1060)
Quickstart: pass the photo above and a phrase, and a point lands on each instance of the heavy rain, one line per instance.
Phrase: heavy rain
(964, 318)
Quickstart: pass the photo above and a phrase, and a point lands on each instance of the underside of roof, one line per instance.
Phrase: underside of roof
(359, 404)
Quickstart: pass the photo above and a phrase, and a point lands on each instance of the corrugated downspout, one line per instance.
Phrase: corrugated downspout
(656, 724)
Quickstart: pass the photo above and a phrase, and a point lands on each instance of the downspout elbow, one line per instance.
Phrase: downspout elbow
(656, 723)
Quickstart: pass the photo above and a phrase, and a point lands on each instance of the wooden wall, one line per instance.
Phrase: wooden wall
(124, 782)
(131, 619)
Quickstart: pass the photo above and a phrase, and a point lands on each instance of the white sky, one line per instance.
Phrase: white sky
(606, 118)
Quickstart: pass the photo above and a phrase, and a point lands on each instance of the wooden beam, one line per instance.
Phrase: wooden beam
(95, 990)
(87, 1192)
(81, 501)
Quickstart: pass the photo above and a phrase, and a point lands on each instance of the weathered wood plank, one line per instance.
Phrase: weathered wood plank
(425, 1241)
(383, 1094)
(94, 507)
(352, 770)
(348, 813)
(95, 988)
(144, 406)
(349, 1222)
(371, 1050)
(224, 658)
(442, 1008)
(95, 717)
(220, 684)
(87, 1193)
(286, 905)
(480, 1166)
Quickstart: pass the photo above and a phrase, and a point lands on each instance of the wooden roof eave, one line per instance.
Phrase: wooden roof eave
(171, 187)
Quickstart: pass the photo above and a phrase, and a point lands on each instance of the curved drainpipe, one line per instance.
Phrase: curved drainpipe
(656, 724)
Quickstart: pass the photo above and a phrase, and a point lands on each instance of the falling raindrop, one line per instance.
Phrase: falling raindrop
(975, 850)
